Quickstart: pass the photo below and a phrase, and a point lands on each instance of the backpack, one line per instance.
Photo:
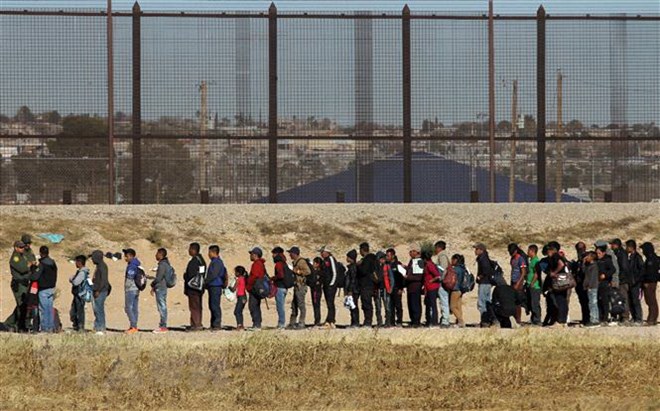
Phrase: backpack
(197, 282)
(617, 302)
(289, 277)
(450, 279)
(498, 273)
(170, 278)
(340, 280)
(140, 279)
(311, 279)
(85, 290)
(263, 287)
(468, 282)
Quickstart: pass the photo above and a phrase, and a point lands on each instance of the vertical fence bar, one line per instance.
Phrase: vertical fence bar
(272, 103)
(491, 102)
(540, 105)
(407, 122)
(111, 107)
(137, 107)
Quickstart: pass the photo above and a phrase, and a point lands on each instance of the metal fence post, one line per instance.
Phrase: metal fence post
(540, 105)
(111, 106)
(407, 126)
(491, 102)
(272, 103)
(137, 107)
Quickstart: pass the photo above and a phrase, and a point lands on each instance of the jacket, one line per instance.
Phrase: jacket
(590, 276)
(431, 274)
(100, 280)
(77, 279)
(278, 274)
(505, 299)
(625, 276)
(651, 264)
(351, 286)
(399, 279)
(240, 286)
(415, 275)
(635, 267)
(302, 271)
(329, 271)
(605, 266)
(257, 270)
(216, 274)
(193, 269)
(129, 276)
(365, 272)
(460, 274)
(388, 278)
(46, 274)
(20, 271)
(163, 269)
(615, 264)
(443, 260)
(484, 269)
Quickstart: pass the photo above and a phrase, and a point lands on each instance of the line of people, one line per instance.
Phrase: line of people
(610, 283)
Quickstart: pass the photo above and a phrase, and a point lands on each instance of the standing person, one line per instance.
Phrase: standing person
(556, 264)
(484, 277)
(443, 262)
(216, 280)
(414, 280)
(625, 276)
(635, 265)
(77, 312)
(399, 284)
(606, 275)
(20, 269)
(432, 282)
(102, 288)
(533, 284)
(131, 291)
(302, 271)
(159, 288)
(387, 288)
(352, 288)
(316, 288)
(590, 284)
(518, 274)
(650, 282)
(279, 259)
(329, 272)
(46, 278)
(241, 296)
(366, 272)
(257, 271)
(455, 296)
(195, 274)
(29, 254)
(379, 289)
(546, 288)
(577, 268)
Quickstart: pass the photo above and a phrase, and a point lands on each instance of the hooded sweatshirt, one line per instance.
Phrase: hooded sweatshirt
(100, 280)
(258, 270)
(651, 264)
(159, 283)
(46, 274)
(131, 272)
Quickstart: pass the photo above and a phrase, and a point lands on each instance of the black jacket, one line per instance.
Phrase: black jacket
(651, 267)
(46, 274)
(505, 299)
(192, 269)
(365, 272)
(399, 281)
(635, 267)
(605, 266)
(484, 269)
(351, 285)
(625, 276)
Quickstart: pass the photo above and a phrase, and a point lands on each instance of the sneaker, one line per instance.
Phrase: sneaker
(160, 330)
(100, 333)
(240, 328)
(613, 324)
(299, 326)
(131, 330)
(592, 325)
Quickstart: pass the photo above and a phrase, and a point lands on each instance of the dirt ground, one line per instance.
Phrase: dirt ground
(236, 228)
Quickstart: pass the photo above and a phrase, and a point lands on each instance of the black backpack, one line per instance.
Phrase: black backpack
(289, 277)
(498, 273)
(140, 279)
(617, 302)
(340, 281)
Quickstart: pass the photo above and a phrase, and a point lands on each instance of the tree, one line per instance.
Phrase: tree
(504, 126)
(574, 126)
(52, 117)
(24, 115)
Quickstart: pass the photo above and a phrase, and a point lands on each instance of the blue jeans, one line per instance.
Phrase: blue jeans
(280, 297)
(99, 311)
(214, 306)
(443, 295)
(46, 310)
(482, 302)
(593, 306)
(161, 304)
(131, 299)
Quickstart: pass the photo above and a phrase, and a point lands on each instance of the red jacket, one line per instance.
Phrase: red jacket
(430, 272)
(258, 270)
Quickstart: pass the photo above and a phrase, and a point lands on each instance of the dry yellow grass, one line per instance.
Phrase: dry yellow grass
(525, 369)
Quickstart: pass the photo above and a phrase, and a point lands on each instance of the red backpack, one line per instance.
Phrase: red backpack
(450, 279)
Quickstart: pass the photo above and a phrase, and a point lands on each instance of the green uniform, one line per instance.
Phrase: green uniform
(532, 271)
(20, 283)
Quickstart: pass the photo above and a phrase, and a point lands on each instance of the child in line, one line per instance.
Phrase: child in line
(241, 297)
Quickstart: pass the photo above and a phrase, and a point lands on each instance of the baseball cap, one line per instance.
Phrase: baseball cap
(325, 248)
(380, 255)
(19, 244)
(277, 250)
(601, 243)
(414, 247)
(480, 246)
(257, 251)
(294, 250)
(129, 251)
(26, 239)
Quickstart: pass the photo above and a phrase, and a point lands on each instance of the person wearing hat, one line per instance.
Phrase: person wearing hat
(29, 254)
(351, 287)
(257, 271)
(302, 271)
(20, 269)
(414, 280)
(279, 261)
(484, 280)
(131, 291)
(366, 270)
(331, 270)
(615, 277)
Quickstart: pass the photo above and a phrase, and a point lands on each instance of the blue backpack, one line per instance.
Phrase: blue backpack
(85, 290)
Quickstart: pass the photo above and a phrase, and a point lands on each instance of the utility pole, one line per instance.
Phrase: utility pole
(203, 119)
(112, 198)
(560, 134)
(514, 130)
(491, 98)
